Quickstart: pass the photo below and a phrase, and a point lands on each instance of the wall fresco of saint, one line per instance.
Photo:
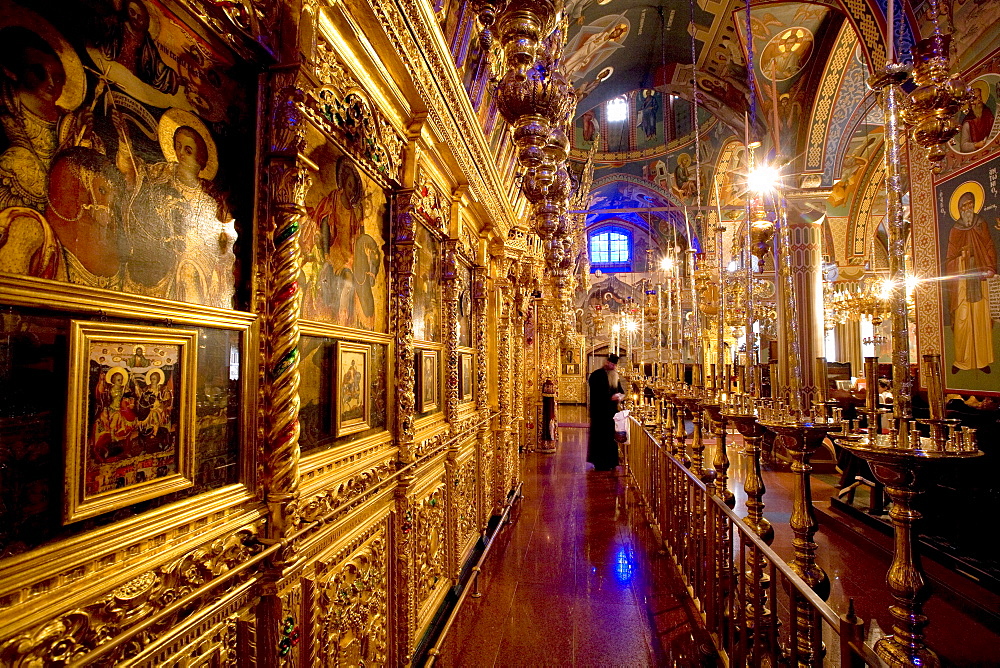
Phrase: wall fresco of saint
(344, 270)
(122, 130)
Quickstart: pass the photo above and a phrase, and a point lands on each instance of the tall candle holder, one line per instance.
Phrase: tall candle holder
(720, 462)
(904, 468)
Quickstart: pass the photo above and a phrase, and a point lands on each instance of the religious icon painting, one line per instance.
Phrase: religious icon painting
(427, 377)
(344, 275)
(465, 382)
(130, 416)
(122, 167)
(980, 124)
(968, 209)
(352, 401)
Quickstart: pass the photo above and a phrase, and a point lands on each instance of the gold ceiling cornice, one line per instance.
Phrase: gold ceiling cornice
(420, 45)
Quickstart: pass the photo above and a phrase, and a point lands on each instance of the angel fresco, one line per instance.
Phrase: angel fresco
(41, 89)
(594, 44)
(109, 169)
(184, 251)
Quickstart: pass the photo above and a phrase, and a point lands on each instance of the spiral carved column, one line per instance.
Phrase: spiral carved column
(451, 281)
(502, 433)
(484, 451)
(288, 180)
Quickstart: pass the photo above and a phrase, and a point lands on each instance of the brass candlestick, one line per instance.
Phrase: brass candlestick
(903, 464)
(721, 461)
(904, 474)
(693, 404)
(680, 433)
(801, 439)
(745, 420)
(753, 484)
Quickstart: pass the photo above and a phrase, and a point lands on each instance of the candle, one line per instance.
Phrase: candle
(935, 392)
(871, 384)
(890, 32)
(822, 381)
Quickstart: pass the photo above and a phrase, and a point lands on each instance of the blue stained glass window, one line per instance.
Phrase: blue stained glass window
(609, 247)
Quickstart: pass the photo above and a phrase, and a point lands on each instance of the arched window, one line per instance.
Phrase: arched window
(611, 246)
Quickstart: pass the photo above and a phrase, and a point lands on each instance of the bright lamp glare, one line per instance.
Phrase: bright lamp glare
(911, 283)
(733, 266)
(617, 110)
(885, 290)
(764, 179)
(616, 328)
(631, 326)
(666, 263)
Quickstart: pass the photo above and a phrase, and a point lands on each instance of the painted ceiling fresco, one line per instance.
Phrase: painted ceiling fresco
(633, 38)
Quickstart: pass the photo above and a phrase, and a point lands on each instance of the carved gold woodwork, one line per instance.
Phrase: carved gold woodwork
(415, 39)
(81, 594)
(71, 635)
(430, 556)
(353, 605)
(452, 288)
(341, 107)
(404, 261)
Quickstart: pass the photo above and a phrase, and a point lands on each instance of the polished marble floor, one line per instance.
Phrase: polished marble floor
(575, 580)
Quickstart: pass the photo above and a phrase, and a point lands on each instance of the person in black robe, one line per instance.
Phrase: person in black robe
(605, 393)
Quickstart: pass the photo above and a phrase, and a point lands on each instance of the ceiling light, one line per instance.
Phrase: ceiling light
(763, 179)
(666, 263)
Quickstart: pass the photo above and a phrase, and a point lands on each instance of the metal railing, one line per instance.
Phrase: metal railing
(758, 612)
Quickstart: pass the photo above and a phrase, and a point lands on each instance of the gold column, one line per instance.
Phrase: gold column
(484, 451)
(289, 178)
(501, 433)
(806, 257)
(450, 281)
(517, 387)
(404, 260)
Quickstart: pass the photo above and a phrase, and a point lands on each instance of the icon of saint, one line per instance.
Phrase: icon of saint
(41, 84)
(970, 260)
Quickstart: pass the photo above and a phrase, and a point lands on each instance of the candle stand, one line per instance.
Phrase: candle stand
(903, 461)
(721, 460)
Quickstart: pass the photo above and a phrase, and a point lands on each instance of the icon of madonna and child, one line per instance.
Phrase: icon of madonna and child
(106, 171)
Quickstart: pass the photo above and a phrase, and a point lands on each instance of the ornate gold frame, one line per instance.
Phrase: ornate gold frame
(340, 426)
(76, 505)
(424, 406)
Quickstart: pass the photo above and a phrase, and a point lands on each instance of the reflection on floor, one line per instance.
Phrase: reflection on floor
(575, 581)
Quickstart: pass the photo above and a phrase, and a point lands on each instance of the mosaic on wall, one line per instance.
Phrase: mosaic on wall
(123, 131)
(344, 271)
(967, 207)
